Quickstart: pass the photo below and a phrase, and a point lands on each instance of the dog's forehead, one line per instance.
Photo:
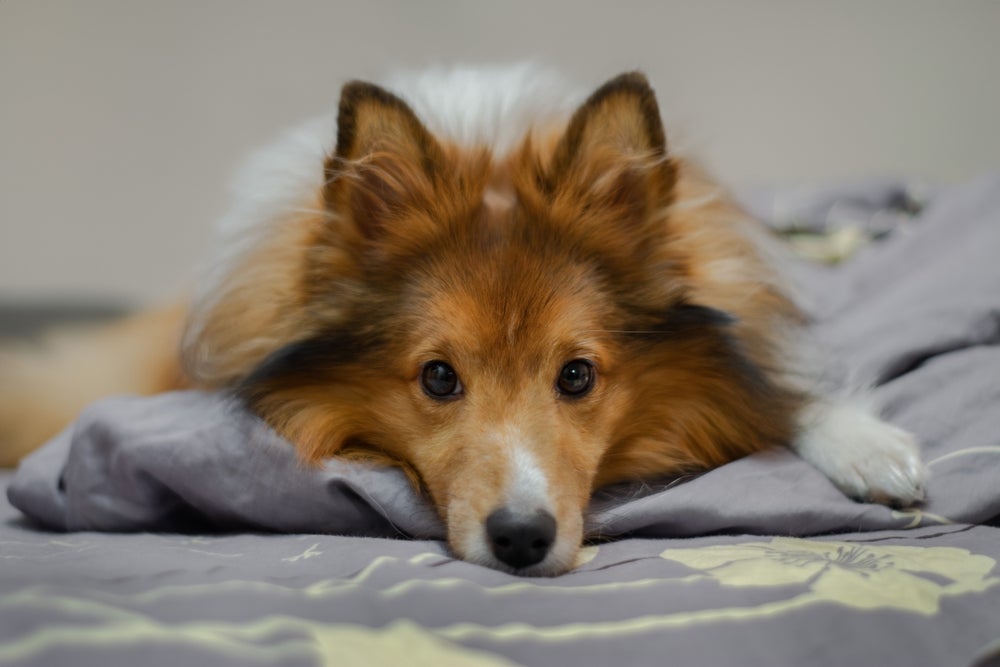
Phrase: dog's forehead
(509, 301)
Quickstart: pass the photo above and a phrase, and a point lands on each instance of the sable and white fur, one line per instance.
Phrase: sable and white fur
(559, 228)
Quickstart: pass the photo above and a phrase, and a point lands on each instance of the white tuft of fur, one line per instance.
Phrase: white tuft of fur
(277, 179)
(865, 457)
(276, 182)
(490, 106)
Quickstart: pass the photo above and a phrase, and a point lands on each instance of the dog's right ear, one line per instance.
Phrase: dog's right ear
(385, 163)
(614, 151)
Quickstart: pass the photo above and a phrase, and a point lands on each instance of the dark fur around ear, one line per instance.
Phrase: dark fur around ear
(308, 391)
(614, 147)
(385, 159)
(714, 405)
(302, 362)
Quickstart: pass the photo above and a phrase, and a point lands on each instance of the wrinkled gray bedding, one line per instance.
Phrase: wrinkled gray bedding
(917, 313)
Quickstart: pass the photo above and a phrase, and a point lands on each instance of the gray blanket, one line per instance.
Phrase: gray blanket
(760, 562)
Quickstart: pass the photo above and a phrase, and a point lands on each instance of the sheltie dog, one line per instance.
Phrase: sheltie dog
(517, 294)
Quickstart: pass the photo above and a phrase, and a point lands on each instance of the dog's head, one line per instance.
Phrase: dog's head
(514, 330)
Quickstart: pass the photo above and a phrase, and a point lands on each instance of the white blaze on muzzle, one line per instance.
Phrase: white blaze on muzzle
(527, 488)
(522, 530)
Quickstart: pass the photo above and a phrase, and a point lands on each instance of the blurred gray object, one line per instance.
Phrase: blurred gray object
(24, 319)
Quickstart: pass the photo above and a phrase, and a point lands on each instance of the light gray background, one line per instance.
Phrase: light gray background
(121, 120)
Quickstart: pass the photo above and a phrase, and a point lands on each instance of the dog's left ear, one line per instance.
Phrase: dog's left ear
(385, 160)
(614, 148)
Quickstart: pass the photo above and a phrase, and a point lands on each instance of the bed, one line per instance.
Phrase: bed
(179, 530)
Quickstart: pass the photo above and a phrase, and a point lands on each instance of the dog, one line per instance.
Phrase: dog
(516, 293)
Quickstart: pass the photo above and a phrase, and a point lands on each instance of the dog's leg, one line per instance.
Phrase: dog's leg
(867, 458)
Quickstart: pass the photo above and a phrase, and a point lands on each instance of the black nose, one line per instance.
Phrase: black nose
(520, 540)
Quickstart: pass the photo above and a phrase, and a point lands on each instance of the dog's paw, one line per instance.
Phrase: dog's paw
(865, 457)
(881, 464)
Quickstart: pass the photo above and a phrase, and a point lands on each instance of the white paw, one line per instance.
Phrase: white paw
(867, 458)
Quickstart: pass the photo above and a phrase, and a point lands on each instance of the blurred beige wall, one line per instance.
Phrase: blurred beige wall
(121, 120)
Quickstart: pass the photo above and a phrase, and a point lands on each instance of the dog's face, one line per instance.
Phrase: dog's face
(499, 390)
(514, 333)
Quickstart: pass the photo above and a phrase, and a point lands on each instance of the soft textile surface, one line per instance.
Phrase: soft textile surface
(715, 576)
(929, 596)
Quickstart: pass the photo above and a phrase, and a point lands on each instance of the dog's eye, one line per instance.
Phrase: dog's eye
(440, 380)
(576, 378)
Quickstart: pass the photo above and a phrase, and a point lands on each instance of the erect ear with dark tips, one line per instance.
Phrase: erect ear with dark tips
(614, 146)
(385, 160)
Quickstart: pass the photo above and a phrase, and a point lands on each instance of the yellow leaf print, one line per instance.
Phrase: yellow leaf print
(855, 575)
